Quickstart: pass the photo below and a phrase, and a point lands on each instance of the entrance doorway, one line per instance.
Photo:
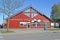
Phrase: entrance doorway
(28, 25)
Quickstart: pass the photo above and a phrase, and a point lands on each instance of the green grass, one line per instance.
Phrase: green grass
(7, 31)
(54, 29)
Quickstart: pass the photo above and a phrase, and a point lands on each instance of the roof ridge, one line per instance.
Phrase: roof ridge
(25, 9)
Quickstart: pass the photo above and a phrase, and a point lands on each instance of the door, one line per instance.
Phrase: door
(28, 25)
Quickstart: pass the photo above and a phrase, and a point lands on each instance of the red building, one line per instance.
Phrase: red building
(29, 18)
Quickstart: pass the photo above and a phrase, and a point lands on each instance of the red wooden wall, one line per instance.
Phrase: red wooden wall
(15, 20)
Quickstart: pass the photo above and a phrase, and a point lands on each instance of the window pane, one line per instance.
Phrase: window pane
(27, 14)
(21, 24)
(38, 24)
(34, 24)
(52, 24)
(47, 24)
(34, 14)
(57, 24)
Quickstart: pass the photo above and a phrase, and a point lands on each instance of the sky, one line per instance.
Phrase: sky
(43, 6)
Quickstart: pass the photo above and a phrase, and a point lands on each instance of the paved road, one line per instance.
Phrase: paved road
(34, 36)
(1, 37)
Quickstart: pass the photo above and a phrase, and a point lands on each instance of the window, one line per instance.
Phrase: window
(46, 23)
(34, 14)
(57, 25)
(27, 14)
(35, 23)
(22, 23)
(38, 24)
(52, 24)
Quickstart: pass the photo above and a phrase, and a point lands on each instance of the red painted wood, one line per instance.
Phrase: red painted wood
(15, 20)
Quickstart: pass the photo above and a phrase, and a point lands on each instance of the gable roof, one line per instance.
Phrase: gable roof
(26, 9)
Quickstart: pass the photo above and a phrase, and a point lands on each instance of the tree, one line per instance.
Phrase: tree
(55, 14)
(9, 6)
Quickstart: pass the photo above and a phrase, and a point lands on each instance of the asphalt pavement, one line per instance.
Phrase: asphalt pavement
(30, 34)
(1, 37)
(34, 36)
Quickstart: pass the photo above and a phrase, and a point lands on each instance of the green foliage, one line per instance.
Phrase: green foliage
(55, 14)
